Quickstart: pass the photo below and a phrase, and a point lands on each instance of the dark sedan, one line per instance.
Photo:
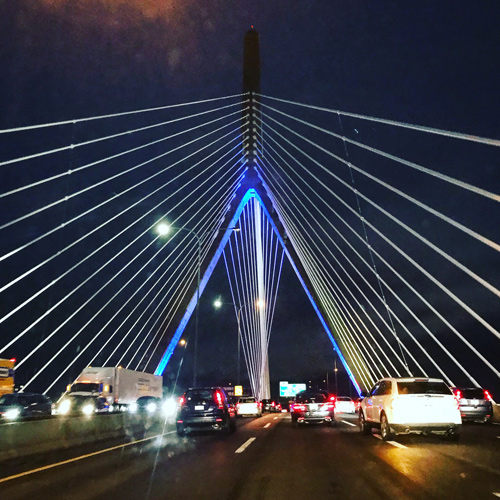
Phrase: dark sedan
(313, 407)
(24, 405)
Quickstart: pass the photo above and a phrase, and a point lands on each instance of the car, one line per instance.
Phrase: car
(345, 404)
(24, 405)
(410, 405)
(146, 404)
(276, 407)
(82, 404)
(205, 408)
(248, 406)
(267, 405)
(476, 404)
(313, 407)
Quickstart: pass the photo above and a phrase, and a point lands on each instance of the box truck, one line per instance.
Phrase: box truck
(7, 376)
(120, 386)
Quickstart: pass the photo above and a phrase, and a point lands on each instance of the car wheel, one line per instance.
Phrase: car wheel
(452, 435)
(488, 420)
(364, 427)
(385, 428)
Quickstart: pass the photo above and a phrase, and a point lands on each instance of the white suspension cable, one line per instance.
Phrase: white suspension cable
(114, 115)
(419, 128)
(415, 166)
(105, 138)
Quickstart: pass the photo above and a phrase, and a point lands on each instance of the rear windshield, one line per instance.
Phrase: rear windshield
(472, 393)
(247, 400)
(309, 397)
(199, 396)
(342, 398)
(423, 387)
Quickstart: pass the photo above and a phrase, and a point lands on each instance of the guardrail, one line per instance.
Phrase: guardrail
(18, 439)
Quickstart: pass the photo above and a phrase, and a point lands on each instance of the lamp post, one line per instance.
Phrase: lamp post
(218, 304)
(163, 229)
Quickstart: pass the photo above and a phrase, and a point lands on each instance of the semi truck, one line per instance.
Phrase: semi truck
(119, 386)
(7, 376)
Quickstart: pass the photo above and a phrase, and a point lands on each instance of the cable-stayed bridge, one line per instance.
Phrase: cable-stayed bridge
(391, 228)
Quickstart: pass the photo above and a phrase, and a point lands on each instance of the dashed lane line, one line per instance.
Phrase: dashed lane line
(394, 443)
(275, 418)
(267, 425)
(496, 494)
(348, 423)
(51, 466)
(245, 445)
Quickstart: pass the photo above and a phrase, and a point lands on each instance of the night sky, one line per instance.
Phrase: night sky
(430, 63)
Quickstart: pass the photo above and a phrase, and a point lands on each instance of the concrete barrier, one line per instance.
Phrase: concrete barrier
(18, 439)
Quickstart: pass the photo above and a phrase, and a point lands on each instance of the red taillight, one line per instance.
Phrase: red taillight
(273, 404)
(332, 398)
(487, 395)
(458, 394)
(329, 406)
(182, 400)
(218, 400)
(297, 407)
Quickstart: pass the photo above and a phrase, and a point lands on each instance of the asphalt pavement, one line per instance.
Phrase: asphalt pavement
(266, 458)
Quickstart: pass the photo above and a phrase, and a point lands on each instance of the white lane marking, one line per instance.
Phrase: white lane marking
(245, 445)
(51, 466)
(275, 418)
(267, 425)
(496, 423)
(397, 445)
(394, 443)
(496, 494)
(349, 423)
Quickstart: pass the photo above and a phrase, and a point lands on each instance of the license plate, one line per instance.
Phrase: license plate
(475, 402)
(199, 407)
(313, 407)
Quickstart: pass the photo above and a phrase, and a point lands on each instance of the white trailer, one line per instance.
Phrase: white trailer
(118, 385)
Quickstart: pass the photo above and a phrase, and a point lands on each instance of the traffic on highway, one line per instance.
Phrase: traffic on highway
(206, 444)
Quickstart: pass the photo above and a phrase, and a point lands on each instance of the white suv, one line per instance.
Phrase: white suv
(404, 405)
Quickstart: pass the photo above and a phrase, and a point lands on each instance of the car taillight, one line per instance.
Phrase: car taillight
(273, 404)
(299, 407)
(332, 398)
(328, 406)
(182, 400)
(218, 400)
(487, 395)
(458, 394)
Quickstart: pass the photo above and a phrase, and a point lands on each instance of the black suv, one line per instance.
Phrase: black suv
(206, 408)
(475, 404)
(313, 407)
(24, 405)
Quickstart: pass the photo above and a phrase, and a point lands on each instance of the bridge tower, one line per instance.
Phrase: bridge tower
(251, 131)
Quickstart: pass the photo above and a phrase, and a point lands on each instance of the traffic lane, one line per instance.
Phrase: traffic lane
(108, 470)
(467, 469)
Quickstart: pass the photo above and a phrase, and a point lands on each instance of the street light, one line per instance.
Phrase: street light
(163, 229)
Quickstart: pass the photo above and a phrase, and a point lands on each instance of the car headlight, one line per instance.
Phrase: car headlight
(169, 407)
(64, 407)
(12, 414)
(88, 409)
(132, 408)
(151, 407)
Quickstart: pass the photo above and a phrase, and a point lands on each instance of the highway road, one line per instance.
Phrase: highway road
(266, 458)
